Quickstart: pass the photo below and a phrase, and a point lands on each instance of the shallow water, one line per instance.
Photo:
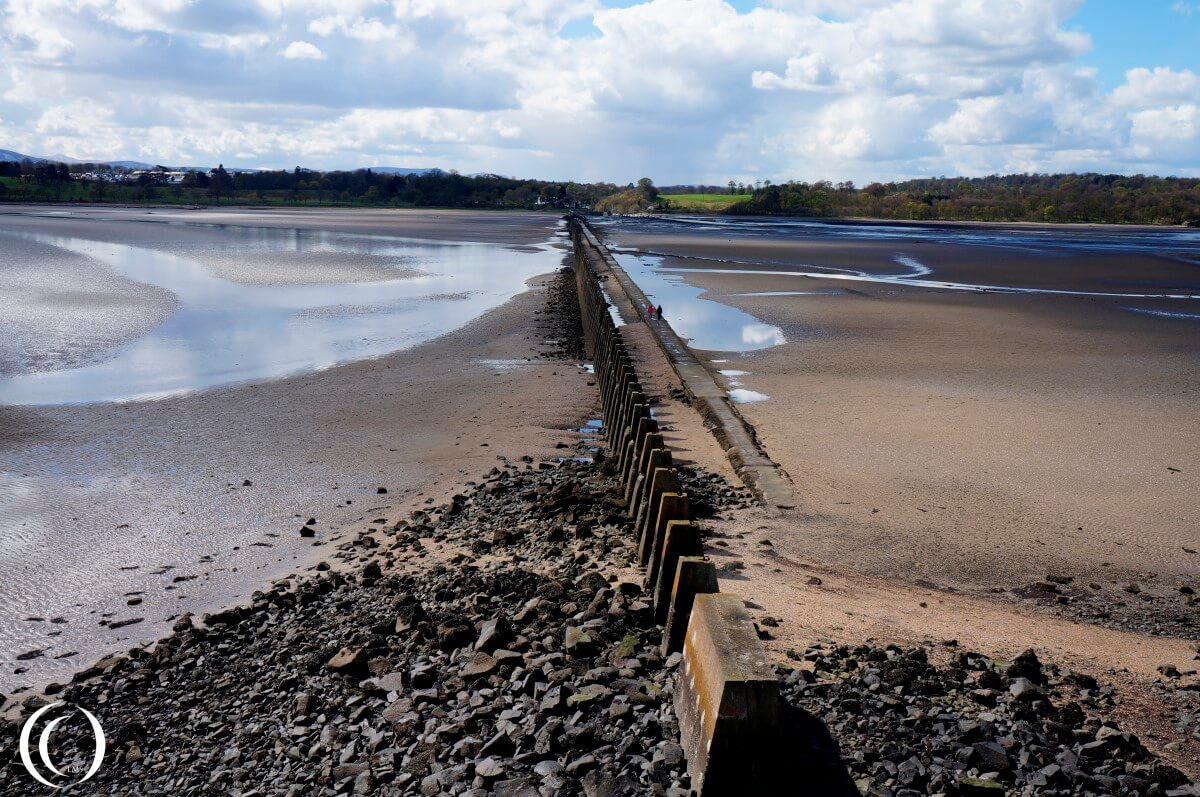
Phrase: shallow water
(704, 323)
(1182, 241)
(709, 323)
(191, 503)
(916, 279)
(225, 332)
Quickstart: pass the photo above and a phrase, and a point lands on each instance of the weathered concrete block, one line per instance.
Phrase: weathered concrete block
(651, 443)
(660, 458)
(662, 481)
(623, 380)
(632, 406)
(694, 575)
(619, 394)
(672, 506)
(636, 415)
(628, 423)
(728, 704)
(682, 538)
(642, 426)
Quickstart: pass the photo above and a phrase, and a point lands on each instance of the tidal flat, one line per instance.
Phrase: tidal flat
(180, 391)
(976, 407)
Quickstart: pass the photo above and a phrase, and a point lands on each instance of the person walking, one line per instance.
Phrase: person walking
(660, 312)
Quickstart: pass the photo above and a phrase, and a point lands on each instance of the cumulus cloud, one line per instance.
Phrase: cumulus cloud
(303, 49)
(684, 90)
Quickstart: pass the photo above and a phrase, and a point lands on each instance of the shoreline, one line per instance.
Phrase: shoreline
(6, 203)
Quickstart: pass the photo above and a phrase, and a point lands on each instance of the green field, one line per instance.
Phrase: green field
(703, 202)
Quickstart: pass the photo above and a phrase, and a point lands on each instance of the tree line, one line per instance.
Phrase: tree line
(1099, 198)
(1075, 198)
(43, 181)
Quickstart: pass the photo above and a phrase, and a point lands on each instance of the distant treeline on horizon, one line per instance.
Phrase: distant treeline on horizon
(45, 181)
(1077, 198)
(1074, 198)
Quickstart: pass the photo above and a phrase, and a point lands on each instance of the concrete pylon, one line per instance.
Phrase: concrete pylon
(663, 481)
(672, 506)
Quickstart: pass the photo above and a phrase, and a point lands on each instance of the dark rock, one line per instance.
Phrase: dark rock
(493, 634)
(481, 664)
(350, 660)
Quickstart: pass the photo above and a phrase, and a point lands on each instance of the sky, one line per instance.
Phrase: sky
(682, 91)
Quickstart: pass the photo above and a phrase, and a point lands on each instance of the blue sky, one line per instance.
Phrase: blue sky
(1126, 35)
(681, 90)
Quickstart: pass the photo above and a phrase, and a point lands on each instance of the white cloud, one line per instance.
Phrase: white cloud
(358, 27)
(1147, 87)
(684, 90)
(810, 72)
(303, 49)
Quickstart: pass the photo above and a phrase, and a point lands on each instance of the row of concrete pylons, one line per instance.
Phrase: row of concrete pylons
(727, 695)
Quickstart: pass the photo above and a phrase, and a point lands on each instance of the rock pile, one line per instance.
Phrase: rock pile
(524, 668)
(974, 727)
(560, 323)
(1144, 607)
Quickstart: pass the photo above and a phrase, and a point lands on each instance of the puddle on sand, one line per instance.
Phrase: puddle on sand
(505, 365)
(704, 323)
(225, 332)
(743, 396)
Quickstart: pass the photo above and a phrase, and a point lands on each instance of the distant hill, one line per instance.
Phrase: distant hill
(9, 155)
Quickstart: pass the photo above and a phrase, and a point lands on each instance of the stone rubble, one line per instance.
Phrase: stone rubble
(973, 727)
(526, 667)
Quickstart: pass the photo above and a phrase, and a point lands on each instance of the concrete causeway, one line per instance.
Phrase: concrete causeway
(763, 476)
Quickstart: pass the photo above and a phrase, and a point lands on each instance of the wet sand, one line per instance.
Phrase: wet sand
(147, 502)
(982, 441)
(975, 440)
